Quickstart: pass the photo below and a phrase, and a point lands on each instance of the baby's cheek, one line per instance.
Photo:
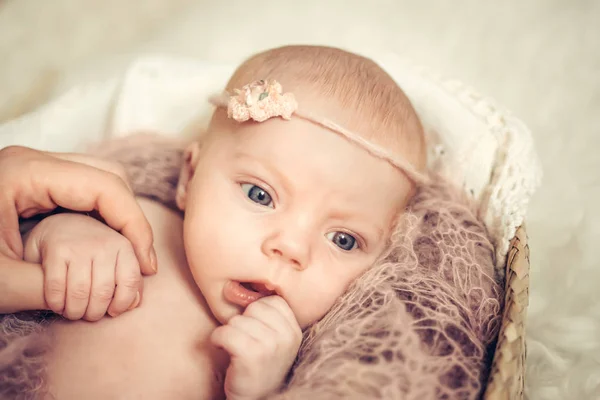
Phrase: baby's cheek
(201, 246)
(314, 304)
(322, 291)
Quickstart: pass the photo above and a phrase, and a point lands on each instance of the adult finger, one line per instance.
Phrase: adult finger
(85, 188)
(11, 244)
(13, 175)
(99, 163)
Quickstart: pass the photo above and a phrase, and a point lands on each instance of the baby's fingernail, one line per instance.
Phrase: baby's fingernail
(153, 262)
(135, 302)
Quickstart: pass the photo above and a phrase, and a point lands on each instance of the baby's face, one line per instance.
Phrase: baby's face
(286, 208)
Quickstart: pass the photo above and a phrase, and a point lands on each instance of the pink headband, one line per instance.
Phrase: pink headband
(265, 99)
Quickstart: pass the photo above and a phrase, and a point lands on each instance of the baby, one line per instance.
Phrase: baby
(291, 194)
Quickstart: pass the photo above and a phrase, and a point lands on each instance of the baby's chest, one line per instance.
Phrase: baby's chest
(158, 351)
(128, 362)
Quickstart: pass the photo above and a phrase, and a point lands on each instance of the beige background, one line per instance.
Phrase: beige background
(539, 58)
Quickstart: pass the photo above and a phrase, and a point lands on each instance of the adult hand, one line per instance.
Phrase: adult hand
(33, 182)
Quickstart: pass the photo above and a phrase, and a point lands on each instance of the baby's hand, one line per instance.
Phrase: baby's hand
(262, 343)
(89, 268)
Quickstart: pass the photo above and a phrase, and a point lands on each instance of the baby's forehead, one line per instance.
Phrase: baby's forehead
(341, 178)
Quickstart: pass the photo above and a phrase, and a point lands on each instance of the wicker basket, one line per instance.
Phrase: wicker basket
(506, 379)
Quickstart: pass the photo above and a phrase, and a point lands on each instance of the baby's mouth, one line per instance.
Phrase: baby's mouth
(258, 287)
(245, 293)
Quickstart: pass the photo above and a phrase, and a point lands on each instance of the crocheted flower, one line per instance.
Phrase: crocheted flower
(260, 101)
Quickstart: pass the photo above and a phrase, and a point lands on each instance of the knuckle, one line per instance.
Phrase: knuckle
(55, 287)
(235, 320)
(256, 353)
(269, 347)
(117, 180)
(125, 245)
(12, 151)
(254, 307)
(79, 291)
(119, 170)
(111, 241)
(105, 243)
(131, 280)
(103, 293)
(276, 302)
(61, 250)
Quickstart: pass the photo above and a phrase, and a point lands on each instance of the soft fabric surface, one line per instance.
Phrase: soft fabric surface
(23, 344)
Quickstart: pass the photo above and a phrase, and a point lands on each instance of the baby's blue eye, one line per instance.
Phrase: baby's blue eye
(343, 240)
(257, 194)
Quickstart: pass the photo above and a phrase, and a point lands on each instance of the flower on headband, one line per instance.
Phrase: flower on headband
(260, 101)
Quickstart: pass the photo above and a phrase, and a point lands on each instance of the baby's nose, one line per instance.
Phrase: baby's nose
(292, 249)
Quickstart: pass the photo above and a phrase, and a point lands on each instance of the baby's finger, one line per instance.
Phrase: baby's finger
(278, 303)
(103, 286)
(79, 282)
(253, 327)
(273, 314)
(234, 341)
(55, 281)
(128, 292)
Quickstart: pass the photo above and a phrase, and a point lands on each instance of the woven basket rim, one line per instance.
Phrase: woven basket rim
(507, 374)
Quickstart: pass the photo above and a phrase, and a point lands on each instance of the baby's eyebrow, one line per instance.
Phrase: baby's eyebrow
(285, 183)
(363, 222)
(375, 233)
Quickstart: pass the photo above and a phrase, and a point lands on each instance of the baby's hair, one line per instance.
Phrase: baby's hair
(365, 98)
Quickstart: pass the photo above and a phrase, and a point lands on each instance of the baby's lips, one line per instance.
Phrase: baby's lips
(237, 294)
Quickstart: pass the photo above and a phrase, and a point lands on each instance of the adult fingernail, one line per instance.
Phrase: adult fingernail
(135, 302)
